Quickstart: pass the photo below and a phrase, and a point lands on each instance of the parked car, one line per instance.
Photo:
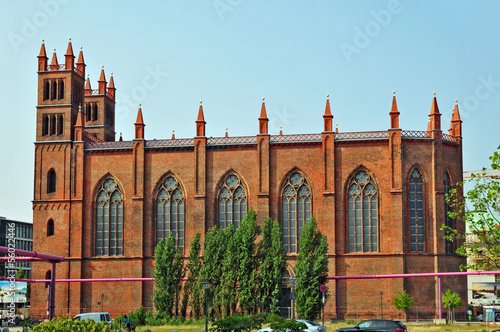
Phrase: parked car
(379, 325)
(311, 327)
(95, 316)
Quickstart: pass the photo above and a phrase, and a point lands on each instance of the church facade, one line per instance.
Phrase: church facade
(103, 204)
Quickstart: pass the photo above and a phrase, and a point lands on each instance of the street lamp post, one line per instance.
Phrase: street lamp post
(206, 285)
(293, 282)
(381, 308)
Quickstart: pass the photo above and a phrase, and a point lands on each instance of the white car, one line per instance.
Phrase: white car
(311, 327)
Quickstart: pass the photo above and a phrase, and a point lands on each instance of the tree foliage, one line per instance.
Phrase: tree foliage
(273, 262)
(480, 208)
(451, 299)
(311, 270)
(245, 237)
(168, 271)
(193, 288)
(403, 301)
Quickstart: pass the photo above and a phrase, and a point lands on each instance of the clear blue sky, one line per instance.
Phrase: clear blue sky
(169, 55)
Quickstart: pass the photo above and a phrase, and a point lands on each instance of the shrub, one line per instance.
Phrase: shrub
(236, 323)
(288, 325)
(65, 324)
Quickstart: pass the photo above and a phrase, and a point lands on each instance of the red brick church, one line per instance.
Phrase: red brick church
(379, 196)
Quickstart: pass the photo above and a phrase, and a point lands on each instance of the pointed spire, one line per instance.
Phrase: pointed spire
(394, 112)
(328, 117)
(173, 134)
(200, 122)
(434, 116)
(87, 83)
(54, 61)
(139, 125)
(80, 64)
(69, 61)
(102, 83)
(227, 135)
(111, 87)
(456, 122)
(79, 125)
(263, 120)
(121, 138)
(42, 58)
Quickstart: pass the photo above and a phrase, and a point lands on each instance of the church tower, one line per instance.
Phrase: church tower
(60, 93)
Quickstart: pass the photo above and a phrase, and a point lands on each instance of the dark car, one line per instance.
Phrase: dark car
(376, 325)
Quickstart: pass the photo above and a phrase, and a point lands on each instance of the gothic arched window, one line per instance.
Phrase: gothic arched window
(170, 211)
(109, 219)
(88, 111)
(50, 227)
(296, 209)
(45, 125)
(416, 210)
(94, 112)
(60, 125)
(362, 212)
(61, 90)
(232, 201)
(53, 94)
(46, 90)
(51, 181)
(448, 221)
(52, 124)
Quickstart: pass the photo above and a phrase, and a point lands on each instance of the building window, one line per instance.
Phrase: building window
(416, 207)
(296, 209)
(52, 124)
(232, 201)
(94, 112)
(60, 125)
(170, 211)
(448, 221)
(50, 228)
(51, 181)
(45, 125)
(54, 90)
(362, 206)
(88, 111)
(109, 219)
(61, 90)
(46, 90)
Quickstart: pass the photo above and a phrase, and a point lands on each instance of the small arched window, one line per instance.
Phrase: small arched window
(232, 201)
(296, 209)
(170, 211)
(50, 227)
(109, 219)
(45, 125)
(448, 221)
(54, 90)
(94, 112)
(51, 181)
(61, 90)
(52, 125)
(88, 112)
(362, 212)
(48, 276)
(46, 90)
(60, 125)
(416, 210)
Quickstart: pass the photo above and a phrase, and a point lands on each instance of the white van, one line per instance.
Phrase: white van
(95, 316)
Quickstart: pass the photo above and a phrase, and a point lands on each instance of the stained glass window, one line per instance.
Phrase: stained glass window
(362, 206)
(170, 211)
(232, 201)
(416, 210)
(296, 209)
(109, 219)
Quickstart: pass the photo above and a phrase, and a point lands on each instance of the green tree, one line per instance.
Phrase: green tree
(230, 273)
(451, 300)
(246, 236)
(273, 264)
(480, 208)
(193, 288)
(166, 276)
(213, 257)
(179, 273)
(403, 302)
(311, 270)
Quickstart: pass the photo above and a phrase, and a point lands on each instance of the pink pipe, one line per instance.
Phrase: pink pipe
(33, 254)
(409, 275)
